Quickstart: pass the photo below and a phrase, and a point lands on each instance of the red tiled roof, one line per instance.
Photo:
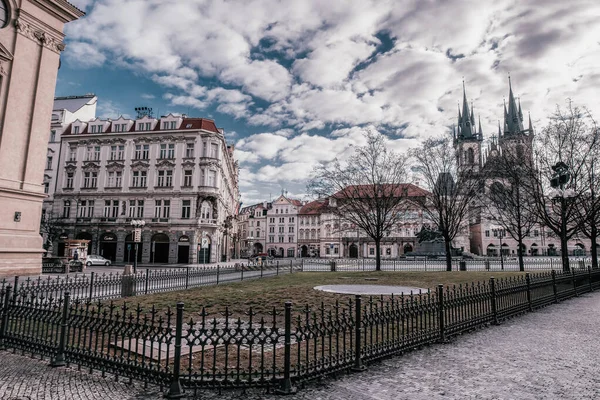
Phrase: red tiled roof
(403, 189)
(315, 207)
(199, 123)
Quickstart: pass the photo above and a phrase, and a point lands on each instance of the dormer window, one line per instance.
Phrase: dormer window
(188, 126)
(165, 125)
(173, 124)
(76, 130)
(97, 128)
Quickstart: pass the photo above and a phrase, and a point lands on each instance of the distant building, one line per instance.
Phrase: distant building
(487, 237)
(31, 40)
(282, 220)
(253, 229)
(176, 173)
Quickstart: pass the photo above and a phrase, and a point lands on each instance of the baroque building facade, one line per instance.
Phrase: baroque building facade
(486, 236)
(31, 41)
(176, 173)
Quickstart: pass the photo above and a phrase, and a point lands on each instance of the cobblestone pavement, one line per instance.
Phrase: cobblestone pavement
(549, 354)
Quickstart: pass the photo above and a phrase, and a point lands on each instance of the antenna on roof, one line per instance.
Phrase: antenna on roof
(143, 111)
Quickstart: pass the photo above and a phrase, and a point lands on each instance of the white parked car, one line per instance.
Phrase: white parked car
(96, 260)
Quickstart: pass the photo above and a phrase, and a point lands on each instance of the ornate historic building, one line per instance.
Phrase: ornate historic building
(31, 40)
(486, 236)
(176, 173)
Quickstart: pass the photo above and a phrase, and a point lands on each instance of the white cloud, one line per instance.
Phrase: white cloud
(84, 55)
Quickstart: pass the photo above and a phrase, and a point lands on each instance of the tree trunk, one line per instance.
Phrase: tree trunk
(564, 249)
(377, 255)
(520, 254)
(448, 254)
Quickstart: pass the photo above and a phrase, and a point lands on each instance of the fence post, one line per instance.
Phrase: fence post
(441, 312)
(291, 266)
(147, 279)
(394, 265)
(528, 281)
(218, 272)
(285, 386)
(551, 266)
(59, 359)
(277, 268)
(4, 321)
(590, 277)
(493, 299)
(261, 267)
(302, 268)
(15, 288)
(242, 278)
(175, 389)
(554, 289)
(574, 282)
(92, 276)
(358, 365)
(187, 277)
(363, 265)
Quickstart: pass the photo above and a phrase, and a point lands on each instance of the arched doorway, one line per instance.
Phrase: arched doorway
(408, 248)
(159, 252)
(130, 250)
(60, 252)
(183, 249)
(552, 250)
(523, 249)
(534, 250)
(304, 251)
(108, 246)
(86, 236)
(204, 248)
(491, 251)
(579, 250)
(280, 253)
(258, 248)
(505, 250)
(353, 251)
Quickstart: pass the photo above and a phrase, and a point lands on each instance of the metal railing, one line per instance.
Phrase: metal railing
(278, 349)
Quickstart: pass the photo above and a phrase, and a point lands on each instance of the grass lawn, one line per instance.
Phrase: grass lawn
(266, 294)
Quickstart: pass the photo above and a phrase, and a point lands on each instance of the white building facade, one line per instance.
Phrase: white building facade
(176, 173)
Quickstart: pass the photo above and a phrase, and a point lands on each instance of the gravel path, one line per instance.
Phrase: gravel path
(549, 354)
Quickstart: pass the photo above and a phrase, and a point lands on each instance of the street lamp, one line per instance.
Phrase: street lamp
(500, 236)
(561, 177)
(137, 224)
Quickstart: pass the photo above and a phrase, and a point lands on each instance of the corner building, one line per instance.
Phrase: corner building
(176, 173)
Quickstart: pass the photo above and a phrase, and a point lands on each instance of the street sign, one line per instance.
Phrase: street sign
(129, 247)
(205, 243)
(137, 235)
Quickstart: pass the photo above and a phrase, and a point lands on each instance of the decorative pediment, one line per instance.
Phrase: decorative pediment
(5, 55)
(115, 166)
(139, 165)
(114, 141)
(71, 168)
(165, 164)
(188, 164)
(94, 141)
(91, 165)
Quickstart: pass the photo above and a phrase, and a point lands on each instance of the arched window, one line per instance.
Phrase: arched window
(470, 156)
(205, 210)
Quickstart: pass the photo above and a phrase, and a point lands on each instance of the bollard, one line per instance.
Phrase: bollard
(128, 282)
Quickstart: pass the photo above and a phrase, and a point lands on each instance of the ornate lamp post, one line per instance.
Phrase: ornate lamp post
(137, 224)
(561, 177)
(500, 236)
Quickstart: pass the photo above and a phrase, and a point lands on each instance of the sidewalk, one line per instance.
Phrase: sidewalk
(550, 354)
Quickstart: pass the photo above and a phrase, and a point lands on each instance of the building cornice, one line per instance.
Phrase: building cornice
(60, 9)
(38, 31)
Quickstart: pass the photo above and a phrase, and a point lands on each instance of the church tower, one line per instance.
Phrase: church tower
(515, 138)
(467, 138)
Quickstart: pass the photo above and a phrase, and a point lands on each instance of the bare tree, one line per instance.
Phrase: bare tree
(563, 151)
(452, 188)
(507, 200)
(367, 190)
(51, 227)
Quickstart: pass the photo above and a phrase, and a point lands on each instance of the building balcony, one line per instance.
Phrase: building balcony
(160, 220)
(203, 221)
(208, 189)
(207, 160)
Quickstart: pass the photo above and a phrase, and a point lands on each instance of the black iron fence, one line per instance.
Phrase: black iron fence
(439, 264)
(95, 286)
(276, 350)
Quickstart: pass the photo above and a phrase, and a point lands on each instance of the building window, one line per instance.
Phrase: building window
(117, 152)
(173, 124)
(53, 135)
(271, 239)
(327, 250)
(536, 233)
(49, 162)
(272, 220)
(165, 178)
(290, 239)
(162, 207)
(281, 220)
(139, 179)
(186, 207)
(70, 180)
(290, 252)
(487, 233)
(66, 209)
(371, 251)
(257, 223)
(96, 153)
(111, 208)
(189, 150)
(212, 178)
(291, 229)
(46, 187)
(141, 151)
(291, 219)
(280, 239)
(187, 178)
(72, 153)
(271, 229)
(167, 150)
(214, 150)
(281, 229)
(86, 209)
(76, 130)
(114, 179)
(90, 179)
(165, 125)
(148, 126)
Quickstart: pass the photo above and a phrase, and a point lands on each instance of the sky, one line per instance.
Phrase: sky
(296, 83)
